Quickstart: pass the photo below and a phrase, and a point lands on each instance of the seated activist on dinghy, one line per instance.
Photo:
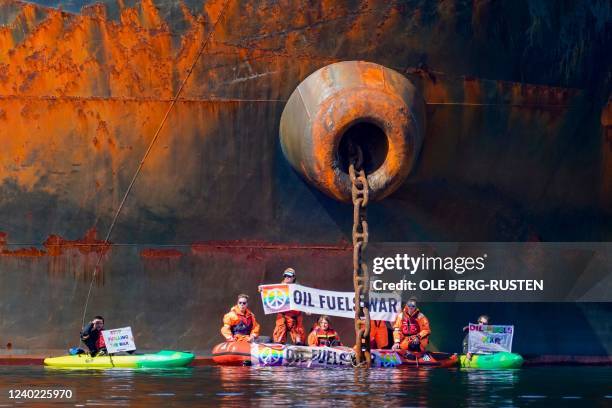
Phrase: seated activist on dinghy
(239, 324)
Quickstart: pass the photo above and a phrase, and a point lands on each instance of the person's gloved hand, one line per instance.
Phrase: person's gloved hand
(395, 346)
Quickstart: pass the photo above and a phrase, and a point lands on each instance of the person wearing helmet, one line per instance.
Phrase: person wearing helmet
(240, 323)
(291, 321)
(411, 329)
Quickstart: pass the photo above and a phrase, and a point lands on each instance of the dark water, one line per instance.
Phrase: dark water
(240, 386)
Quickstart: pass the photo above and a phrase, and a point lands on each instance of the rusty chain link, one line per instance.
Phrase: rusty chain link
(361, 281)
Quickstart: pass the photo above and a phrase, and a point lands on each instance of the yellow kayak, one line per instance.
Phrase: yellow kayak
(162, 359)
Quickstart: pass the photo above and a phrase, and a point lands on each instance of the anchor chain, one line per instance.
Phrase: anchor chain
(361, 281)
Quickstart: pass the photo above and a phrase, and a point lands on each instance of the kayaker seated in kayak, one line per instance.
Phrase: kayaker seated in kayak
(322, 335)
(411, 329)
(484, 320)
(92, 336)
(240, 323)
(290, 321)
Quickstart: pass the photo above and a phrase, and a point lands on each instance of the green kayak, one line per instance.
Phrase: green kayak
(162, 359)
(492, 361)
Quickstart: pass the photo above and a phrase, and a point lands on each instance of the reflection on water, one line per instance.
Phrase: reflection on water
(479, 382)
(269, 386)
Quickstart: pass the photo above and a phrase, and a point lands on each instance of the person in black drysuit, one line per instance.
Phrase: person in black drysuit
(92, 336)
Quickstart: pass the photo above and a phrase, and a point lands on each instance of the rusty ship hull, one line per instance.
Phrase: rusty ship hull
(517, 147)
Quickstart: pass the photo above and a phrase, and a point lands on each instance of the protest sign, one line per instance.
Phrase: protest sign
(119, 340)
(486, 339)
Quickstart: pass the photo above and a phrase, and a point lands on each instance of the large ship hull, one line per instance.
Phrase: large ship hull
(516, 148)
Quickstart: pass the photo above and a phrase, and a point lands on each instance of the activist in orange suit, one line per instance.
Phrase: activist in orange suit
(379, 337)
(240, 323)
(323, 335)
(290, 321)
(411, 329)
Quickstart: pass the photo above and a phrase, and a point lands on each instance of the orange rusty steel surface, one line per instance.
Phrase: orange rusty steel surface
(335, 98)
(21, 359)
(80, 93)
(238, 246)
(56, 245)
(154, 253)
(83, 84)
(85, 54)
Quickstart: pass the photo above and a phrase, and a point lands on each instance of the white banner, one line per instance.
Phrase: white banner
(304, 356)
(119, 340)
(486, 339)
(283, 297)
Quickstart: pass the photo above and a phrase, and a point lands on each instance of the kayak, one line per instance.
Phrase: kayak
(269, 354)
(492, 361)
(162, 359)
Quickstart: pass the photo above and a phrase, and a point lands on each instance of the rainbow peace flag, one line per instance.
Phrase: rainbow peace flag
(276, 298)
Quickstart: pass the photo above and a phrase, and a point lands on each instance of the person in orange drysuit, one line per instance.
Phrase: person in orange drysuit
(290, 321)
(411, 329)
(322, 335)
(379, 337)
(240, 323)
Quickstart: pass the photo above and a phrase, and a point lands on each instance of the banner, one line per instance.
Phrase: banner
(119, 340)
(284, 297)
(486, 339)
(303, 356)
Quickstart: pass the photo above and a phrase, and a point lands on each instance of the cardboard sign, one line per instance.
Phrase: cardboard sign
(487, 339)
(281, 298)
(119, 340)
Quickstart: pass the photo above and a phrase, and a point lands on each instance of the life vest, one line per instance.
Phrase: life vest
(291, 317)
(325, 338)
(244, 326)
(100, 343)
(410, 324)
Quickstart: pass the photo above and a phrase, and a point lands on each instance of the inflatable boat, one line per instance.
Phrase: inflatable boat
(162, 359)
(268, 354)
(502, 360)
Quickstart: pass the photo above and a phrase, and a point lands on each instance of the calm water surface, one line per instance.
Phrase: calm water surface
(240, 386)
